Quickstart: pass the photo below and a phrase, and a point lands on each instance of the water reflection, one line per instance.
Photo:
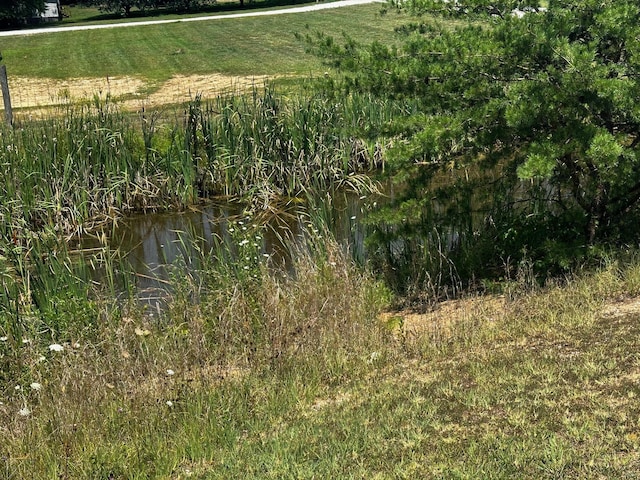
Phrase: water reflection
(151, 243)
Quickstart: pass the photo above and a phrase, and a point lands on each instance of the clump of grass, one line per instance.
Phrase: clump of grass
(144, 375)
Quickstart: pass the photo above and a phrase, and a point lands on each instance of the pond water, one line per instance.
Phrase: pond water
(150, 243)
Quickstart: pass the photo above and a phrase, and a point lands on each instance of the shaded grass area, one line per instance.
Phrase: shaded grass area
(267, 377)
(244, 46)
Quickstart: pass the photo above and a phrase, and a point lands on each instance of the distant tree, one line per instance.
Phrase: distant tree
(13, 12)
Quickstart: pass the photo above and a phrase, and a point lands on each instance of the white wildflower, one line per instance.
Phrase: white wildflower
(4, 339)
(244, 242)
(24, 411)
(169, 403)
(56, 347)
(36, 386)
(373, 357)
(170, 372)
(17, 387)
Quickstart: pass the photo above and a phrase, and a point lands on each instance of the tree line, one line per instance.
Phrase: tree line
(124, 7)
(18, 12)
(13, 12)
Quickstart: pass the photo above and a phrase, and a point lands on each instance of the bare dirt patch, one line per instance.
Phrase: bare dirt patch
(181, 88)
(35, 93)
(445, 316)
(622, 308)
(452, 317)
(29, 92)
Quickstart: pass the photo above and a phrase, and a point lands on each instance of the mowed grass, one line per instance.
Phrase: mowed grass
(245, 46)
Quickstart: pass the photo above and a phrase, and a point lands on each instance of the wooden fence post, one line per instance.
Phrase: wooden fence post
(4, 84)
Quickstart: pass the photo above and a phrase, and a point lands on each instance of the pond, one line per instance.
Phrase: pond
(151, 243)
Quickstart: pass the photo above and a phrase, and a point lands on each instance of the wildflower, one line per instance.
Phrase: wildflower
(25, 341)
(24, 411)
(266, 255)
(353, 217)
(244, 242)
(246, 267)
(373, 357)
(17, 387)
(4, 339)
(56, 347)
(36, 386)
(41, 358)
(169, 403)
(170, 372)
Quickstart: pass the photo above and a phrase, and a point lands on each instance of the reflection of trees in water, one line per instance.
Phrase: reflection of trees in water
(153, 242)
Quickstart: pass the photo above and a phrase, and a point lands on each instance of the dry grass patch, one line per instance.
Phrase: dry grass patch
(30, 93)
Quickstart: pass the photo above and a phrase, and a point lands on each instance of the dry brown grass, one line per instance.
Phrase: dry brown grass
(133, 93)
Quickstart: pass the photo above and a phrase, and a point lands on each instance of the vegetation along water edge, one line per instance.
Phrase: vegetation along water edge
(489, 332)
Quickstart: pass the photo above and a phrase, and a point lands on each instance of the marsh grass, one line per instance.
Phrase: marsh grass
(94, 162)
(76, 173)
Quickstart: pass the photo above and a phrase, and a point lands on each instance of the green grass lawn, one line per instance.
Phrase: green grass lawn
(246, 46)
